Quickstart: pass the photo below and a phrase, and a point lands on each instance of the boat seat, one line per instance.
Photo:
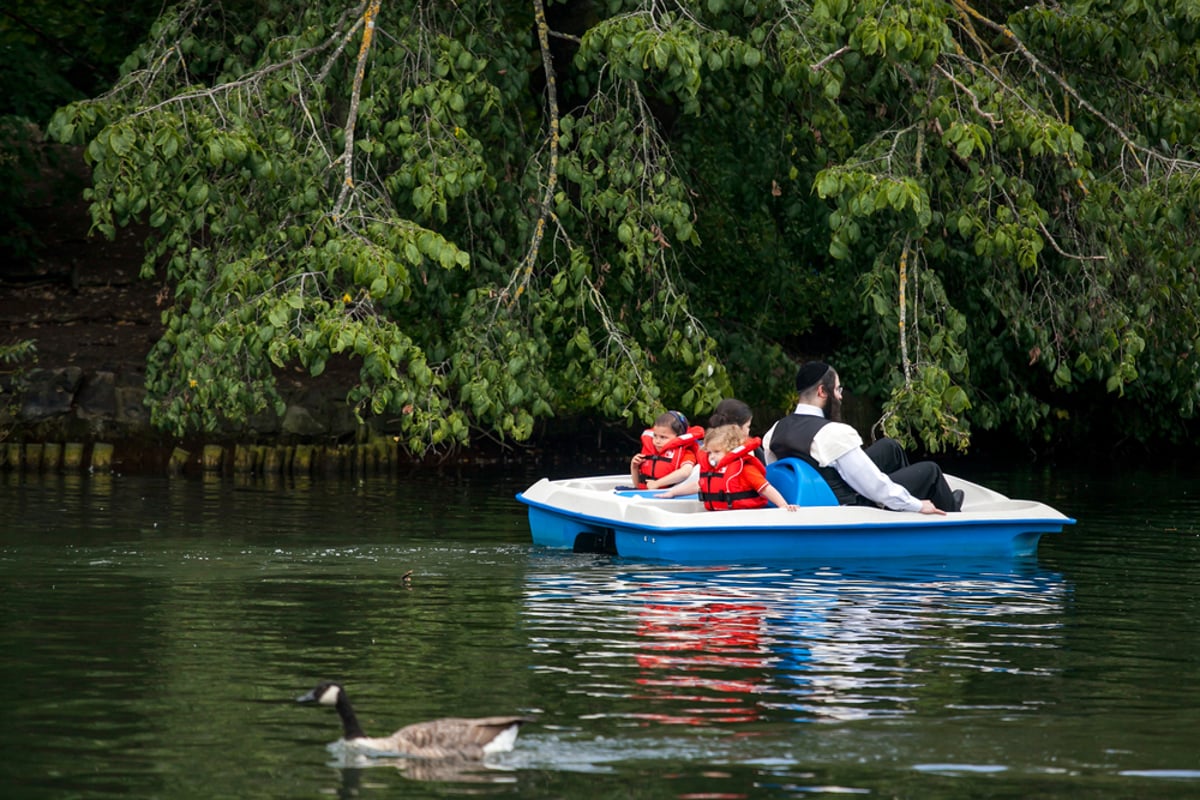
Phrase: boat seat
(800, 483)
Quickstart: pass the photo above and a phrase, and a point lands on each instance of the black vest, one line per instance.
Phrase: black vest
(793, 438)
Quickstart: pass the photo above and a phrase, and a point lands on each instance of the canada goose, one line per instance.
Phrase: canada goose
(451, 737)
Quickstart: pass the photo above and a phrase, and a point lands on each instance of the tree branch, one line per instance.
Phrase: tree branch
(520, 279)
(360, 70)
(820, 65)
(1036, 63)
(992, 119)
(252, 78)
(903, 308)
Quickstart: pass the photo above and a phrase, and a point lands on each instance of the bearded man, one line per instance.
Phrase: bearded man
(879, 475)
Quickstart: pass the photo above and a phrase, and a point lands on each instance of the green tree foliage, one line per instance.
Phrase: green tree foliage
(15, 358)
(986, 215)
(320, 193)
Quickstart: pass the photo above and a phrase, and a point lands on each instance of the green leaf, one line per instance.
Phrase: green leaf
(122, 141)
(197, 194)
(828, 184)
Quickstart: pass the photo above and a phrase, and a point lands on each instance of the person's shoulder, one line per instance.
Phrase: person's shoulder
(838, 432)
(791, 420)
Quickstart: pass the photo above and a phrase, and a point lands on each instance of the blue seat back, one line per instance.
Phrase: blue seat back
(800, 483)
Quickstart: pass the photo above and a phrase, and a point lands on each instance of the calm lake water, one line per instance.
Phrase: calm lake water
(156, 632)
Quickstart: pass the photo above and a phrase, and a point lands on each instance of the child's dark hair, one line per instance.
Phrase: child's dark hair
(730, 411)
(673, 420)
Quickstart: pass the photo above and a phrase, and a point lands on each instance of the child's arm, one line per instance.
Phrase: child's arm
(635, 469)
(689, 486)
(771, 493)
(672, 478)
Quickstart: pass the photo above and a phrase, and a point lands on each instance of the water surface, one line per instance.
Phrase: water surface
(156, 632)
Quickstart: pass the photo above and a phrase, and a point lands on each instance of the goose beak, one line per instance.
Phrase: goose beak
(308, 697)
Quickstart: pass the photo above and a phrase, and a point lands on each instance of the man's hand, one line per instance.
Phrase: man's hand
(927, 507)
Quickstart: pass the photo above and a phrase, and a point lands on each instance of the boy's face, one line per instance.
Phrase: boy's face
(661, 434)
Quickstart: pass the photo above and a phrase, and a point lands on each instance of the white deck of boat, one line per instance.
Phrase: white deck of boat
(595, 498)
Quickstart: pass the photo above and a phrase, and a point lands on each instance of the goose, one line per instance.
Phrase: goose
(447, 738)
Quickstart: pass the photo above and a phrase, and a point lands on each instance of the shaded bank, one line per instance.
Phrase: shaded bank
(70, 418)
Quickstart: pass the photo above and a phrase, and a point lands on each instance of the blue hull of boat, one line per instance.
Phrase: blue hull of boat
(597, 514)
(556, 528)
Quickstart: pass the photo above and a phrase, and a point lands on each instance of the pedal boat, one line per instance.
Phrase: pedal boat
(596, 515)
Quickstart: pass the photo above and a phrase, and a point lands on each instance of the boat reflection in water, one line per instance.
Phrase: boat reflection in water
(687, 645)
(722, 645)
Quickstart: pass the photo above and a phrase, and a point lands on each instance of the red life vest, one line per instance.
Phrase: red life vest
(723, 487)
(660, 462)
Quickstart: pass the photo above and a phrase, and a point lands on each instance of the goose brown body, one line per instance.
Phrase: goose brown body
(450, 737)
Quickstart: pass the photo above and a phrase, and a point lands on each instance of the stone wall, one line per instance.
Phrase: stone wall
(68, 418)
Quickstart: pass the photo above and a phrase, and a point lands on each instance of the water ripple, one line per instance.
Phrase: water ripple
(831, 644)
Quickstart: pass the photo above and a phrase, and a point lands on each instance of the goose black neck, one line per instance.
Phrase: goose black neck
(350, 727)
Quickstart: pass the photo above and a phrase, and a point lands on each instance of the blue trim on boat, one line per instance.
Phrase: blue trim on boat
(902, 537)
(619, 522)
(553, 527)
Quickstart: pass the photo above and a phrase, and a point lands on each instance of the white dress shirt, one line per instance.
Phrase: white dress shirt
(839, 445)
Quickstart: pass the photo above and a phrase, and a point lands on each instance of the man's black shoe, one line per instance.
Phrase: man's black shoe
(957, 494)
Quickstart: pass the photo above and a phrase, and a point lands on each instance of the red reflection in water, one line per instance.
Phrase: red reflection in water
(690, 645)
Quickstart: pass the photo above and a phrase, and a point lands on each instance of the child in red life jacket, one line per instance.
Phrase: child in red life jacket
(669, 451)
(729, 411)
(733, 476)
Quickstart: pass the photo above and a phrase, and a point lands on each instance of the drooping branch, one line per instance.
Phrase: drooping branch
(347, 157)
(360, 19)
(992, 119)
(336, 40)
(996, 121)
(520, 279)
(1133, 147)
(903, 304)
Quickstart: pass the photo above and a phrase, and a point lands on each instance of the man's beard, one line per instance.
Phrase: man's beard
(833, 409)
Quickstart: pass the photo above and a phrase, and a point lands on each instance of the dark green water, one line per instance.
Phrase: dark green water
(155, 633)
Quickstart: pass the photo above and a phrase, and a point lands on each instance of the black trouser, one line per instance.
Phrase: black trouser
(924, 480)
